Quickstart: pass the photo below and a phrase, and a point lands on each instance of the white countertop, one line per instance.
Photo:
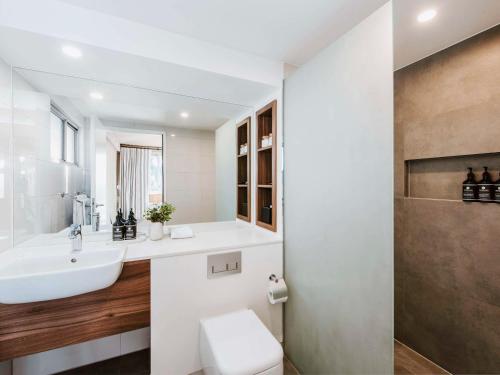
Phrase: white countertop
(208, 237)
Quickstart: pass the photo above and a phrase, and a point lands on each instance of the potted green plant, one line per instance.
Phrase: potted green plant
(158, 215)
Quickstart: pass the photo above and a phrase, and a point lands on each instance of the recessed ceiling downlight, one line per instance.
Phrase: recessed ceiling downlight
(427, 15)
(96, 95)
(72, 51)
(184, 114)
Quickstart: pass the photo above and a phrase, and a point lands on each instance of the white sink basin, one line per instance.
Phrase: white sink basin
(52, 272)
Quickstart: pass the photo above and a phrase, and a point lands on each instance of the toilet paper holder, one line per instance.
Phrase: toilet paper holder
(277, 291)
(273, 277)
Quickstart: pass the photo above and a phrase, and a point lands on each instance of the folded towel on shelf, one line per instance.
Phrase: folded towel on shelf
(181, 232)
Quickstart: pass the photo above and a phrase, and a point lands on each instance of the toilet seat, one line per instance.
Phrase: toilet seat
(239, 344)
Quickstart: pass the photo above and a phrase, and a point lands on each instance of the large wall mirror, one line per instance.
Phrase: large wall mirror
(84, 149)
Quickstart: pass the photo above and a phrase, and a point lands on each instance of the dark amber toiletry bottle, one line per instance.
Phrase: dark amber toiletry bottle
(469, 188)
(485, 187)
(131, 226)
(496, 190)
(122, 218)
(118, 227)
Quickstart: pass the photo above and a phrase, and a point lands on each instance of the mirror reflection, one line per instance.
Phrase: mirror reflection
(86, 151)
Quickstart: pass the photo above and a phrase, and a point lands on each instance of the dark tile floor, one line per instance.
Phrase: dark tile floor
(135, 364)
(406, 362)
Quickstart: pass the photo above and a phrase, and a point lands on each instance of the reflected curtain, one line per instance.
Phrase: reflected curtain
(134, 180)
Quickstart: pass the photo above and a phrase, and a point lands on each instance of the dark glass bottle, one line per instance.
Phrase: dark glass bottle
(118, 227)
(131, 226)
(496, 190)
(122, 218)
(485, 187)
(469, 188)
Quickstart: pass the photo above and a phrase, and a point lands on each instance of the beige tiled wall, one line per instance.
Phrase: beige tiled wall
(190, 175)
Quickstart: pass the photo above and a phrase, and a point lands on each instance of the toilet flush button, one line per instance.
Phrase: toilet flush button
(223, 264)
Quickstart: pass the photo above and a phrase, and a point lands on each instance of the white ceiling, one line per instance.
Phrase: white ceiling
(290, 31)
(456, 20)
(136, 139)
(130, 104)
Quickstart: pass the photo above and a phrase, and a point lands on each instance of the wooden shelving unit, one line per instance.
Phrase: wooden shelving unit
(266, 167)
(243, 172)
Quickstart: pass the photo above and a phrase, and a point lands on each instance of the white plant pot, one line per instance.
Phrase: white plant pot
(155, 231)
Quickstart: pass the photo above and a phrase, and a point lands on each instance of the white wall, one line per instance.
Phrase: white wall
(101, 174)
(39, 181)
(225, 171)
(339, 205)
(6, 238)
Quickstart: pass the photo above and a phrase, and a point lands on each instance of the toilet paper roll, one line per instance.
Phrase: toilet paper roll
(277, 291)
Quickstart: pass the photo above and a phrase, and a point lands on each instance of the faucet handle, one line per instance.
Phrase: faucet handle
(76, 226)
(74, 230)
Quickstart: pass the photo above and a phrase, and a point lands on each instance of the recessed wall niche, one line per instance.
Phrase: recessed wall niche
(441, 178)
(266, 166)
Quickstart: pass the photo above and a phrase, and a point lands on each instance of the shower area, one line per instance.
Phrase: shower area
(447, 254)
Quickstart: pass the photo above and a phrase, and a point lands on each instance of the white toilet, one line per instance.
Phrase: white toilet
(239, 344)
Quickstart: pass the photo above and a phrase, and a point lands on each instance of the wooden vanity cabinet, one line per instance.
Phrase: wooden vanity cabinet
(36, 327)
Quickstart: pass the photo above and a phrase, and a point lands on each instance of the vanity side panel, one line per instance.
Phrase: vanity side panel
(181, 295)
(36, 327)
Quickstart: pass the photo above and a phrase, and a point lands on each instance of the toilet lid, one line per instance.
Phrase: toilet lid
(241, 344)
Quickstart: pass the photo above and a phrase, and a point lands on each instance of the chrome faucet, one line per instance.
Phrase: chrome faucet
(75, 235)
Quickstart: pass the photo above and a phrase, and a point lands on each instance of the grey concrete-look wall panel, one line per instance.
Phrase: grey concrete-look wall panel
(338, 191)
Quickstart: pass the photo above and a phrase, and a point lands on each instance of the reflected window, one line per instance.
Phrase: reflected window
(155, 177)
(70, 134)
(63, 138)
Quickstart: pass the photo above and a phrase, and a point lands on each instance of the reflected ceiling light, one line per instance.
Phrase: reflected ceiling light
(427, 15)
(72, 52)
(172, 135)
(184, 114)
(96, 95)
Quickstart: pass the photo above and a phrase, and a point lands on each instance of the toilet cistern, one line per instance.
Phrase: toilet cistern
(75, 235)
